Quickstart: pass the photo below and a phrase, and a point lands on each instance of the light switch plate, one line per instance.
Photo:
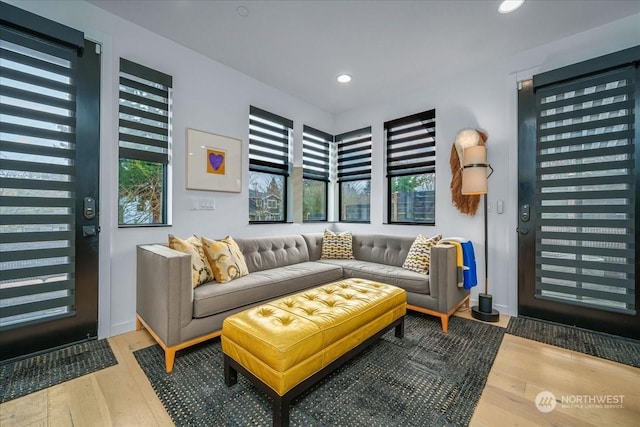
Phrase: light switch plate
(204, 204)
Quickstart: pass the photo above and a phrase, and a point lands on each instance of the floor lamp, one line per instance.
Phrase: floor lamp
(475, 181)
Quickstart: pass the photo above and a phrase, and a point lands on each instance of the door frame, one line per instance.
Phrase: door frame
(83, 325)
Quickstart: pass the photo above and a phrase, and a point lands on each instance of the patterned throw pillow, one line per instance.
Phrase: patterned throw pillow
(200, 268)
(227, 262)
(419, 256)
(337, 246)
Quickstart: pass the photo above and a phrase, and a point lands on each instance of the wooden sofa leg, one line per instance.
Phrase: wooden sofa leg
(445, 323)
(138, 324)
(169, 358)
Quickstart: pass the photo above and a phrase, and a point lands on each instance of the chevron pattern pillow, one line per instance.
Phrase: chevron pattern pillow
(337, 246)
(419, 256)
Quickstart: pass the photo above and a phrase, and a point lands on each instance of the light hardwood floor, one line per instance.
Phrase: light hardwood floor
(121, 395)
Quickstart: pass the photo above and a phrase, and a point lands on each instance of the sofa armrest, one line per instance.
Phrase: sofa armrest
(164, 295)
(443, 278)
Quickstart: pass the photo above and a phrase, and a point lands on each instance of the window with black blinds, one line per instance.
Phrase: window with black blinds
(411, 144)
(144, 121)
(269, 136)
(354, 155)
(37, 179)
(316, 154)
(586, 185)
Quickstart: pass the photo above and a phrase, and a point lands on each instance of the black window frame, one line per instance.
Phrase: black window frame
(140, 73)
(266, 161)
(353, 172)
(402, 160)
(316, 163)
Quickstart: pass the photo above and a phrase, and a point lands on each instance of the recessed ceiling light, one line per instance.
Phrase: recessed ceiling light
(243, 11)
(508, 6)
(344, 78)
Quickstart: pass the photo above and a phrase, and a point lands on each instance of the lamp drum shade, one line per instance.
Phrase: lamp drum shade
(474, 170)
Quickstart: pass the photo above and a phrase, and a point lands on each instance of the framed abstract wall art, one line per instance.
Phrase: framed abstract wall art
(214, 162)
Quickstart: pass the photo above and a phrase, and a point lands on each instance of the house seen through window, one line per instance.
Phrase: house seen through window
(269, 140)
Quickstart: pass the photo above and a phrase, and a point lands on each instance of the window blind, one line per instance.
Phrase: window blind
(268, 142)
(585, 252)
(37, 178)
(354, 155)
(411, 144)
(315, 154)
(144, 126)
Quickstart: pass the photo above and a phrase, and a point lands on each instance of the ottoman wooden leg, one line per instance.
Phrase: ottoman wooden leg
(400, 329)
(230, 374)
(280, 412)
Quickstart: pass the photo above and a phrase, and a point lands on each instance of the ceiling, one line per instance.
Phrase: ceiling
(390, 47)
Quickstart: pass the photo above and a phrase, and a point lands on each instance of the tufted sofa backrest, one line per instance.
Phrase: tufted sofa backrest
(383, 249)
(314, 243)
(263, 253)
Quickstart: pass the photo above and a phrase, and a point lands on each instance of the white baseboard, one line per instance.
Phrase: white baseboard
(123, 327)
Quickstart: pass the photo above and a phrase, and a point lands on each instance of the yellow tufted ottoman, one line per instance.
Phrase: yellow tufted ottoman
(287, 345)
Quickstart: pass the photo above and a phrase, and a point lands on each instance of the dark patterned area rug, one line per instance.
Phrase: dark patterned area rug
(426, 378)
(29, 375)
(610, 347)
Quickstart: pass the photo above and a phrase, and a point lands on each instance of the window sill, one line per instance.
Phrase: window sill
(143, 225)
(410, 223)
(269, 222)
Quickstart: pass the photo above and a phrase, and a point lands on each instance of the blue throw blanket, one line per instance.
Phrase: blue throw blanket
(469, 260)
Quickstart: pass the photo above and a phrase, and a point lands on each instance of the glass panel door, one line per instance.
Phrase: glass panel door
(585, 187)
(578, 195)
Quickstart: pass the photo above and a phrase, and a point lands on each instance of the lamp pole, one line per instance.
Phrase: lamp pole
(484, 310)
(486, 246)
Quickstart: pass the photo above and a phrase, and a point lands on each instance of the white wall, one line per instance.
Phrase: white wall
(485, 98)
(212, 97)
(207, 96)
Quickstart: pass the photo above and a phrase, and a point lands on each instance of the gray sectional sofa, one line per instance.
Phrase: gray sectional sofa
(178, 316)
